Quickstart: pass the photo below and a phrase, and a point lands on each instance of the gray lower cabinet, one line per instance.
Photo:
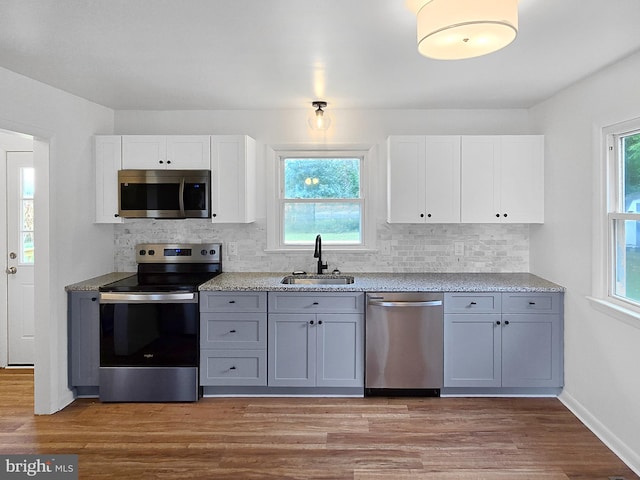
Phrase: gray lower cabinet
(316, 339)
(84, 338)
(503, 340)
(233, 338)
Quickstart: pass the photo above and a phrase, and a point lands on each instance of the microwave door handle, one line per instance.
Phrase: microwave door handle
(181, 199)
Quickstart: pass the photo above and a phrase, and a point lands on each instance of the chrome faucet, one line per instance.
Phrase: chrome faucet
(318, 254)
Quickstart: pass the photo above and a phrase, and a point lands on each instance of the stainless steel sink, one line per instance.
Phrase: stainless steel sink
(318, 279)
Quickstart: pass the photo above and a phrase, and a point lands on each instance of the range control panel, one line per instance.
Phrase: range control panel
(178, 252)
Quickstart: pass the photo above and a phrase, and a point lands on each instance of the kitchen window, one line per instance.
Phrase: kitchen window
(623, 213)
(320, 193)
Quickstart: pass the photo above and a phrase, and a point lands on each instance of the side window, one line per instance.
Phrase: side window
(321, 195)
(623, 214)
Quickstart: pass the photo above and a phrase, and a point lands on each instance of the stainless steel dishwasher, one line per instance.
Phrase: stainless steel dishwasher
(404, 344)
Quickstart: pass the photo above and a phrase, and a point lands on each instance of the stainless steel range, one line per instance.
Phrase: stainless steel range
(149, 325)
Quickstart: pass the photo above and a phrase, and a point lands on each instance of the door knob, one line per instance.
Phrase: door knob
(12, 270)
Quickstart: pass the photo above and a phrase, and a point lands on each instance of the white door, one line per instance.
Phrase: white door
(20, 258)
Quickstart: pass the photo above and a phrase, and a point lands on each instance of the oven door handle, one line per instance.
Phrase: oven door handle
(149, 297)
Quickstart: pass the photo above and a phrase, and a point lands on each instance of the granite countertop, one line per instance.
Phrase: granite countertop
(364, 282)
(389, 282)
(93, 284)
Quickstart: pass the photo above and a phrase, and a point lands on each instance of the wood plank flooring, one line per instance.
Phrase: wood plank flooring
(310, 438)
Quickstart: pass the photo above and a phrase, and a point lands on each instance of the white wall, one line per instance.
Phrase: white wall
(602, 354)
(69, 248)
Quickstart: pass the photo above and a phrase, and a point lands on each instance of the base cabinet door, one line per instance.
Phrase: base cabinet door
(339, 350)
(291, 350)
(530, 351)
(472, 350)
(84, 339)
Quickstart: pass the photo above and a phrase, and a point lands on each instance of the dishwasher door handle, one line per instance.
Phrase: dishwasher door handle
(431, 303)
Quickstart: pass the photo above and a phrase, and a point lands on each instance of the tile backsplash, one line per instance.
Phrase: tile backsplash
(400, 248)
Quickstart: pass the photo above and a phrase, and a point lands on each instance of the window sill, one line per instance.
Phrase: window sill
(619, 312)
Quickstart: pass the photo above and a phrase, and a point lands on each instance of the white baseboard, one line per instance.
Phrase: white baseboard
(617, 446)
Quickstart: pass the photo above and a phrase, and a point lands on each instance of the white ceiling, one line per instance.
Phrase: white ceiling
(266, 54)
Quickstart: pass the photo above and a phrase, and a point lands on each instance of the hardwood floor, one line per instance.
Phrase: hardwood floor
(310, 438)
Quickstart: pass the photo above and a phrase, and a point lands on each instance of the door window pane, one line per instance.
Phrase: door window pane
(27, 190)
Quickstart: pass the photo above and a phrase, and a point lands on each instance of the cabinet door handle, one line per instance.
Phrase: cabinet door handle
(497, 215)
(505, 215)
(319, 322)
(506, 322)
(160, 162)
(311, 322)
(498, 322)
(422, 215)
(169, 161)
(429, 215)
(93, 299)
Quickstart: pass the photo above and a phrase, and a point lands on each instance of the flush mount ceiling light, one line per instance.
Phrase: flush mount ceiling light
(319, 121)
(456, 29)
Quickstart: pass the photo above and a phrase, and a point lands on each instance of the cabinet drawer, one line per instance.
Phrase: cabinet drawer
(233, 301)
(233, 367)
(315, 302)
(233, 330)
(531, 303)
(472, 303)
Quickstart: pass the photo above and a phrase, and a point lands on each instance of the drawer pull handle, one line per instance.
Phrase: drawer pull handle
(232, 368)
(532, 303)
(316, 303)
(473, 303)
(232, 301)
(232, 331)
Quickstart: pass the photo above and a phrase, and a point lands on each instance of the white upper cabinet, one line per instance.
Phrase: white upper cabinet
(503, 179)
(153, 152)
(108, 160)
(423, 175)
(233, 179)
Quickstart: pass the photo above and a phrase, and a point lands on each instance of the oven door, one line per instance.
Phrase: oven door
(149, 346)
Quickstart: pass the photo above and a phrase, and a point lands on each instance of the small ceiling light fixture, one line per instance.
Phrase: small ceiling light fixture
(457, 29)
(319, 121)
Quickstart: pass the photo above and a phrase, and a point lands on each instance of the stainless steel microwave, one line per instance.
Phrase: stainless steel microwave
(164, 193)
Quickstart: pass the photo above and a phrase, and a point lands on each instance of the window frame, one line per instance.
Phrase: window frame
(275, 215)
(609, 183)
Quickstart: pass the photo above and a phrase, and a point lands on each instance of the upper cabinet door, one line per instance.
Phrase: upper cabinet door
(178, 152)
(188, 152)
(108, 160)
(522, 178)
(406, 173)
(443, 179)
(233, 179)
(480, 179)
(423, 177)
(144, 152)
